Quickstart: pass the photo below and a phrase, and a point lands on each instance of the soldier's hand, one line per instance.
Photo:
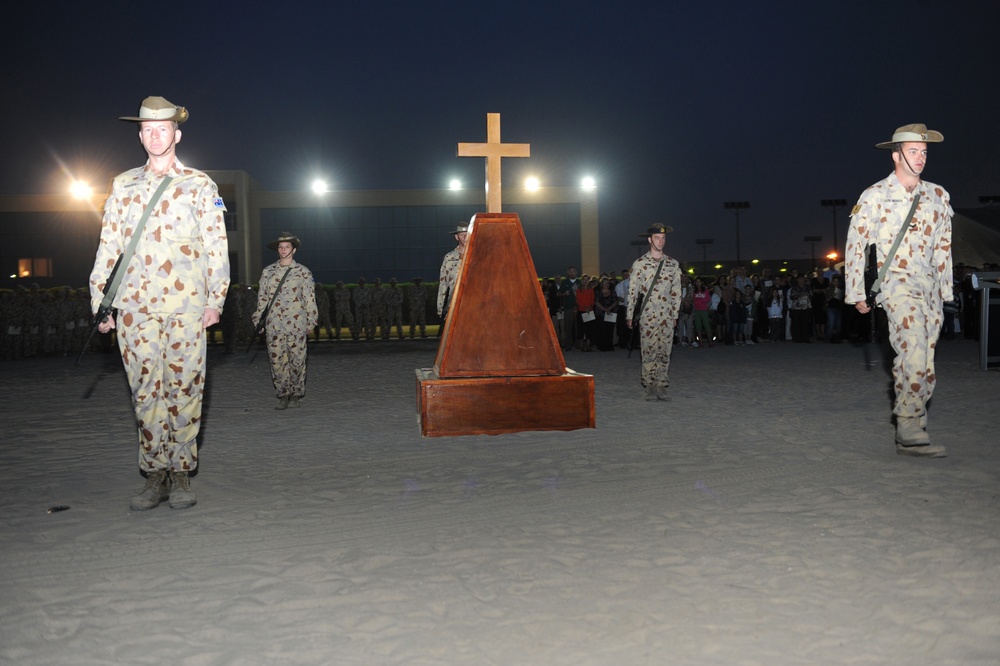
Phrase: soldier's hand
(862, 307)
(210, 318)
(107, 324)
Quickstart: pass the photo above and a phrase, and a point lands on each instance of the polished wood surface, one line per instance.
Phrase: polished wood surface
(496, 405)
(498, 323)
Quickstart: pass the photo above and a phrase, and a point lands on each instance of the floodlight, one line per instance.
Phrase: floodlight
(454, 184)
(531, 184)
(319, 186)
(588, 183)
(80, 190)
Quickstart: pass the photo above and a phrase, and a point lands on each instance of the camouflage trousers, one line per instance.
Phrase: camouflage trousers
(344, 319)
(914, 325)
(656, 338)
(164, 357)
(418, 318)
(286, 351)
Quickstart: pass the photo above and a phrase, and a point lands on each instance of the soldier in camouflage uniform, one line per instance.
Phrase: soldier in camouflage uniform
(291, 317)
(342, 310)
(173, 288)
(450, 267)
(363, 309)
(394, 309)
(417, 301)
(34, 326)
(917, 281)
(379, 313)
(658, 277)
(323, 310)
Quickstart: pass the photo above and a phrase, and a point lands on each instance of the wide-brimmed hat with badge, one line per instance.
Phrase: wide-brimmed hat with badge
(461, 228)
(656, 229)
(285, 237)
(916, 132)
(157, 108)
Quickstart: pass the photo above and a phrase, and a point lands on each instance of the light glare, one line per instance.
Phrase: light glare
(80, 190)
(531, 184)
(320, 187)
(454, 184)
(588, 183)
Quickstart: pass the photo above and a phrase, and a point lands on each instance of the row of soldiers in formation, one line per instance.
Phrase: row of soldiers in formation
(363, 310)
(49, 322)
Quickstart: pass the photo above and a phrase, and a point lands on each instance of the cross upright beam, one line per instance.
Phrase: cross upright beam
(493, 151)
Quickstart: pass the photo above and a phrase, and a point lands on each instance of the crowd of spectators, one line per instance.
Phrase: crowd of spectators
(587, 312)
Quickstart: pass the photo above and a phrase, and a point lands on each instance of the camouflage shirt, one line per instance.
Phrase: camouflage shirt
(181, 263)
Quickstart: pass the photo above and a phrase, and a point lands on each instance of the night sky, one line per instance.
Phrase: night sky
(673, 107)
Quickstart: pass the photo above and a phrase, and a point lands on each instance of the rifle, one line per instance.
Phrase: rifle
(259, 329)
(871, 287)
(636, 314)
(446, 306)
(105, 309)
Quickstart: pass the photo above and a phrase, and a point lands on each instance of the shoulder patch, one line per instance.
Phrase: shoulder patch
(217, 203)
(856, 209)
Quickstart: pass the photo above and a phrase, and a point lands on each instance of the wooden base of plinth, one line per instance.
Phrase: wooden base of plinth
(495, 405)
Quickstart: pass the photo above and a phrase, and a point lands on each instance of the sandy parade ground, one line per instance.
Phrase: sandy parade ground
(760, 517)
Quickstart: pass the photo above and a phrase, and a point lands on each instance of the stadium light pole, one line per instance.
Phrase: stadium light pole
(736, 207)
(704, 242)
(834, 204)
(812, 240)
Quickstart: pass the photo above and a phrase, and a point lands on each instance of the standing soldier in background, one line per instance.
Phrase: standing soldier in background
(417, 300)
(173, 288)
(381, 317)
(342, 310)
(287, 287)
(450, 267)
(394, 308)
(658, 278)
(323, 312)
(363, 309)
(917, 280)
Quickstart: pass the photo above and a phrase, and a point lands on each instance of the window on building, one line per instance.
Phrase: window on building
(34, 267)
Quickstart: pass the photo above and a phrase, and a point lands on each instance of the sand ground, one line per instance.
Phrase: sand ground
(761, 517)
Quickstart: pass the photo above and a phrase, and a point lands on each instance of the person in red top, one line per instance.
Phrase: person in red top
(585, 297)
(701, 299)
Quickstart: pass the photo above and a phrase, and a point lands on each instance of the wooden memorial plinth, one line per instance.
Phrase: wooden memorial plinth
(499, 366)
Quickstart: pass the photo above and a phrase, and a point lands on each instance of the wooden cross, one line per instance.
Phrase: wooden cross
(493, 151)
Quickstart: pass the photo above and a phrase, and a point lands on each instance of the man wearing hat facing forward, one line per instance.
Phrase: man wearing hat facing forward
(657, 279)
(450, 267)
(173, 287)
(916, 278)
(286, 291)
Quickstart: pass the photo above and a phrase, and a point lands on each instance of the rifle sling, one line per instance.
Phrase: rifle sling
(116, 279)
(267, 310)
(877, 285)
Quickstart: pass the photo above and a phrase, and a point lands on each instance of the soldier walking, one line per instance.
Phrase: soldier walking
(288, 294)
(657, 278)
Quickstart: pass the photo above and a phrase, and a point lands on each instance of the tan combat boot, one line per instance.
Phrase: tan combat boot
(154, 492)
(181, 496)
(912, 440)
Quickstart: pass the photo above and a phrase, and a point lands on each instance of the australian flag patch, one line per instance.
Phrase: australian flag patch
(217, 203)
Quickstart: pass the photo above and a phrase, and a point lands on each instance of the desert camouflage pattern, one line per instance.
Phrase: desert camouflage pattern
(342, 311)
(323, 310)
(363, 309)
(394, 310)
(916, 284)
(448, 279)
(417, 301)
(180, 268)
(659, 314)
(291, 317)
